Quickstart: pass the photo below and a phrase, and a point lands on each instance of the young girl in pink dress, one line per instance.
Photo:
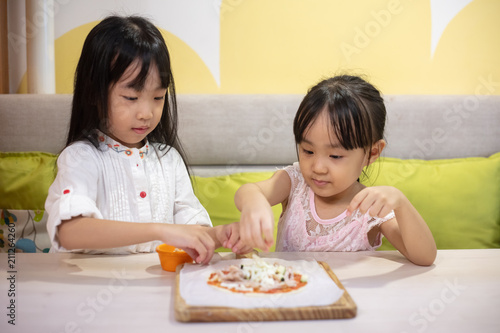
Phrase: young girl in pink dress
(339, 130)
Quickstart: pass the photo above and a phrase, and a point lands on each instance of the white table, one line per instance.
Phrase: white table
(84, 293)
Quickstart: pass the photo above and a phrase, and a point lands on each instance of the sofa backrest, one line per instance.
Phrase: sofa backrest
(226, 134)
(230, 133)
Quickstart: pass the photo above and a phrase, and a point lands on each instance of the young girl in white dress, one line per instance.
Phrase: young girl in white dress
(339, 130)
(122, 185)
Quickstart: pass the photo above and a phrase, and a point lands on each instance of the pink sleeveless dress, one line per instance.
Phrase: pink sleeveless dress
(301, 229)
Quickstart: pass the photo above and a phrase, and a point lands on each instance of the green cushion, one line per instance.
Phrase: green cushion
(216, 194)
(458, 198)
(25, 179)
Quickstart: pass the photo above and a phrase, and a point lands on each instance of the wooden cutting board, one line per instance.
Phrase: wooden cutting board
(343, 308)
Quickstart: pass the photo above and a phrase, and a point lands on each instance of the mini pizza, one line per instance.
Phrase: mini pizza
(258, 277)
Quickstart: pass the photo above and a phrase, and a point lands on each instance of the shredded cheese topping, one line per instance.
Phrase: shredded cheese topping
(258, 276)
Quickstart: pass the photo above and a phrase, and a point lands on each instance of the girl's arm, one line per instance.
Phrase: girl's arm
(408, 232)
(255, 200)
(91, 233)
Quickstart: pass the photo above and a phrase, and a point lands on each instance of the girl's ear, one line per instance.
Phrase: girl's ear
(376, 150)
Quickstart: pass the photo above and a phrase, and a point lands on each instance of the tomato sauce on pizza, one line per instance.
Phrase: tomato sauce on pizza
(258, 276)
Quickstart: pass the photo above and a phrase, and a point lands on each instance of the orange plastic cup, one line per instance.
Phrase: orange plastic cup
(170, 258)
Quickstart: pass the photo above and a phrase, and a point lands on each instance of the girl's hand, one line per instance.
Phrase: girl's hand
(229, 237)
(194, 239)
(254, 201)
(377, 201)
(257, 225)
(408, 231)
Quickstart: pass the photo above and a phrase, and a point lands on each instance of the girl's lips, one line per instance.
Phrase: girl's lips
(319, 182)
(140, 130)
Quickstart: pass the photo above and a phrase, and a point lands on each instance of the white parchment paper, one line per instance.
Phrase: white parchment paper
(320, 289)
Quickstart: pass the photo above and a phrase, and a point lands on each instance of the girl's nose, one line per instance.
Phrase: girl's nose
(318, 166)
(145, 112)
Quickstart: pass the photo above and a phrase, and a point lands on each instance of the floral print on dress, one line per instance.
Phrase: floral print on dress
(119, 148)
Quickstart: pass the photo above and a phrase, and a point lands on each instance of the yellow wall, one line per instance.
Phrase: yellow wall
(286, 46)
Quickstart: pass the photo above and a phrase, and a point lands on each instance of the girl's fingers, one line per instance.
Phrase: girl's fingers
(210, 246)
(365, 202)
(251, 233)
(200, 252)
(257, 238)
(374, 211)
(237, 246)
(241, 248)
(205, 247)
(356, 202)
(265, 235)
(376, 201)
(267, 231)
(233, 238)
(194, 239)
(192, 253)
(257, 231)
(246, 232)
(384, 211)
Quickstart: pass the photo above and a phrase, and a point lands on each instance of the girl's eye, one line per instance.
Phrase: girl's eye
(161, 98)
(129, 98)
(335, 157)
(307, 152)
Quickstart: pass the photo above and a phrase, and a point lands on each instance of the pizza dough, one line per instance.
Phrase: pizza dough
(319, 290)
(258, 276)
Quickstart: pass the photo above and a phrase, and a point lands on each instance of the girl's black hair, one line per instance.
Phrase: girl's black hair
(109, 49)
(355, 108)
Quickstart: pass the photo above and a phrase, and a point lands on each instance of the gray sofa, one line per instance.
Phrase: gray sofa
(230, 133)
(233, 139)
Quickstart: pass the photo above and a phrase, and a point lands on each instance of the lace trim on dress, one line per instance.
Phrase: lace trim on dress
(299, 231)
(315, 216)
(315, 229)
(317, 226)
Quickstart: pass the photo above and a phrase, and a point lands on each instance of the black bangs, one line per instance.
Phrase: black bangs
(350, 121)
(307, 113)
(355, 109)
(122, 63)
(138, 43)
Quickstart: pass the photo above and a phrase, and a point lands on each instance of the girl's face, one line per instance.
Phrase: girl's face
(134, 114)
(330, 170)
